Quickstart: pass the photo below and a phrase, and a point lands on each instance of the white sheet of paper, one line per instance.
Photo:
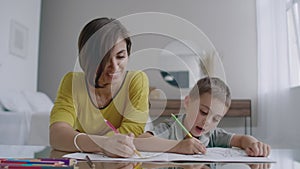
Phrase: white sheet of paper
(212, 155)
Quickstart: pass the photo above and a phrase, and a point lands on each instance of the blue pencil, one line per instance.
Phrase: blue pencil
(64, 161)
(34, 166)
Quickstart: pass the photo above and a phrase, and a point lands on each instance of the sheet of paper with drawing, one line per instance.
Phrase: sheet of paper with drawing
(212, 155)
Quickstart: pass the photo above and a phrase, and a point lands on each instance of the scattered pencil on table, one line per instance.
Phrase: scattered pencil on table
(90, 162)
(34, 166)
(182, 126)
(28, 163)
(64, 161)
(31, 162)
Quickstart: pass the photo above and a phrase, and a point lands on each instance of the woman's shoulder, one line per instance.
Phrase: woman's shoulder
(137, 75)
(133, 73)
(70, 75)
(136, 80)
(71, 78)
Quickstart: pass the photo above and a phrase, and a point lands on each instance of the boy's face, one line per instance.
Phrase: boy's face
(204, 114)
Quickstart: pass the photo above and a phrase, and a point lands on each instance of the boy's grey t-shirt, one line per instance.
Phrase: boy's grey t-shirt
(170, 129)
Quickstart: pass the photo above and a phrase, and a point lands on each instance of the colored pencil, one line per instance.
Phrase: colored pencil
(31, 162)
(34, 166)
(182, 126)
(111, 126)
(89, 161)
(66, 161)
(116, 131)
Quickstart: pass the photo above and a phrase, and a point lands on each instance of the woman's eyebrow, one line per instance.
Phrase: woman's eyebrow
(121, 51)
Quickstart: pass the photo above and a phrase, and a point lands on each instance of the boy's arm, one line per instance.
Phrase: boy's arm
(251, 145)
(148, 142)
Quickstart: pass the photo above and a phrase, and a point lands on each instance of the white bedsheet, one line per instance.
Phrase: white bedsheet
(39, 129)
(14, 127)
(29, 128)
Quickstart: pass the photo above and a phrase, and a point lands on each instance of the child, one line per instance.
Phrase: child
(206, 104)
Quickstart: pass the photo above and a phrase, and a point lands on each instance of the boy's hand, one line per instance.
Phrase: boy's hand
(189, 146)
(258, 149)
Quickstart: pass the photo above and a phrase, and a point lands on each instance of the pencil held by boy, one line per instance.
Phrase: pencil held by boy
(205, 106)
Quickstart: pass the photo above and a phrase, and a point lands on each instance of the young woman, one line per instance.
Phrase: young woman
(104, 91)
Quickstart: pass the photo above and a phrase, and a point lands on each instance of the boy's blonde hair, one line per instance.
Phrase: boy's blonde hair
(213, 85)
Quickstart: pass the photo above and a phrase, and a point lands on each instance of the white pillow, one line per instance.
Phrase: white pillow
(14, 101)
(38, 101)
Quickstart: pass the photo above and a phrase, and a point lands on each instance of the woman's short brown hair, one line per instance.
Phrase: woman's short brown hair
(95, 43)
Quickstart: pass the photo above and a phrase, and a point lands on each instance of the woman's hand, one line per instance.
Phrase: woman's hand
(118, 145)
(189, 146)
(258, 149)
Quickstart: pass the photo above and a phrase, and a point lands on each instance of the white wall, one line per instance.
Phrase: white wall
(230, 25)
(19, 73)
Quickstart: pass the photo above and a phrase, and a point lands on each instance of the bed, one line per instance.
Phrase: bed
(13, 127)
(24, 118)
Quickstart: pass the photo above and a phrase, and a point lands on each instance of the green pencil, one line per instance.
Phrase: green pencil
(182, 126)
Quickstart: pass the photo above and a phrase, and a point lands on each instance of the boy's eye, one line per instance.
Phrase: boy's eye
(203, 112)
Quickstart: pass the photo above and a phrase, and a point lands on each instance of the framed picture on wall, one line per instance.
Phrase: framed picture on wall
(18, 44)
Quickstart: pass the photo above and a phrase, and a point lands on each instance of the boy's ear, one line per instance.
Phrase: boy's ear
(186, 101)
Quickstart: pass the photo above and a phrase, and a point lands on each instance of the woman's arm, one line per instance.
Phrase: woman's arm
(251, 145)
(62, 138)
(137, 104)
(148, 142)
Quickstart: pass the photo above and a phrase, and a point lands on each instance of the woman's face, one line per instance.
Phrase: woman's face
(115, 68)
(204, 114)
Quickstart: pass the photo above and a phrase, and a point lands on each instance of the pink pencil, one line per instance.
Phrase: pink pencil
(111, 126)
(116, 131)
